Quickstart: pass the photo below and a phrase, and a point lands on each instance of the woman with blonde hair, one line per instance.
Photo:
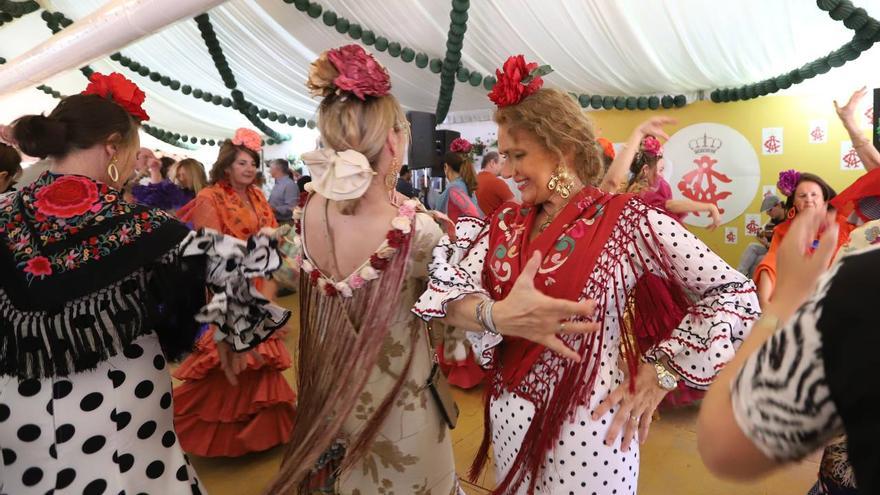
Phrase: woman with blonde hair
(366, 420)
(560, 415)
(256, 414)
(189, 174)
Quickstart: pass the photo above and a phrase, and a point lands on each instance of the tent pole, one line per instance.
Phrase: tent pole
(113, 26)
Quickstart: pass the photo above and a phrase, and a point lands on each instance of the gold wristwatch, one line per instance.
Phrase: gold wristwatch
(665, 378)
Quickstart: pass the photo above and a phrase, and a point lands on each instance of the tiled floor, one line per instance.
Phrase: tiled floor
(670, 463)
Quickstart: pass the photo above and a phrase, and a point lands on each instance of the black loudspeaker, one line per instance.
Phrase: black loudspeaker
(442, 139)
(422, 153)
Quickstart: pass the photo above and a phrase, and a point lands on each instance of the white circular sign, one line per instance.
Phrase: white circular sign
(712, 163)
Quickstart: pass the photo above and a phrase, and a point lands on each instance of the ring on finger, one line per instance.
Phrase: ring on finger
(562, 327)
(633, 417)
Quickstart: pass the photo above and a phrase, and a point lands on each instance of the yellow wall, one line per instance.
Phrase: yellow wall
(749, 118)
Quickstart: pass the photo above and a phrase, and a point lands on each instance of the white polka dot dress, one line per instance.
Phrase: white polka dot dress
(105, 431)
(580, 463)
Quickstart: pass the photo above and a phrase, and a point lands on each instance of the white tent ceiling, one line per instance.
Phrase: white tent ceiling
(624, 47)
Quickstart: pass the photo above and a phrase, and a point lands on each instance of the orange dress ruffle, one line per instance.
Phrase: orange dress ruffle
(212, 417)
(215, 419)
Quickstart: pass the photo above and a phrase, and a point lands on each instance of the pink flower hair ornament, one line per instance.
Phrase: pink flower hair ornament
(460, 145)
(651, 146)
(788, 181)
(248, 138)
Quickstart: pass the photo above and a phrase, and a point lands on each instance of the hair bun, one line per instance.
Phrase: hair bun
(40, 136)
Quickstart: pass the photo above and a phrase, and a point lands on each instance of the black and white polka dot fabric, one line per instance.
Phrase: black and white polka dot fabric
(105, 431)
(581, 463)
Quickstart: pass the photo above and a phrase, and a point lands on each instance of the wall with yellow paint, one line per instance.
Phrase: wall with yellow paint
(792, 113)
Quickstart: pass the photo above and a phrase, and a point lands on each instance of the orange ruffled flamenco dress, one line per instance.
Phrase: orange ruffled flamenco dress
(213, 418)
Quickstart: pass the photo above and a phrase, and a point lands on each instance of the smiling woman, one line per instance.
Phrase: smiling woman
(263, 413)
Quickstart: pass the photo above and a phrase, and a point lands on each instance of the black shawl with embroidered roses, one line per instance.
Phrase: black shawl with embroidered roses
(84, 273)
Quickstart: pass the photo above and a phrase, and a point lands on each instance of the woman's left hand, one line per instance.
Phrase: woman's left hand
(635, 410)
(716, 217)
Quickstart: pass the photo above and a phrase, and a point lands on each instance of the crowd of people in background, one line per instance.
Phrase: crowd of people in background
(581, 307)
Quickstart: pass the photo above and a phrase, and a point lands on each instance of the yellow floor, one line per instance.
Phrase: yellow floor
(670, 463)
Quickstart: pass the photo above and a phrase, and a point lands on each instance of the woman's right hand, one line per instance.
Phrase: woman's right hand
(847, 112)
(716, 217)
(654, 127)
(527, 313)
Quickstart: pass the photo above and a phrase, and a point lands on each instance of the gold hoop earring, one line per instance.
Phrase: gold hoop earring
(393, 175)
(561, 182)
(112, 170)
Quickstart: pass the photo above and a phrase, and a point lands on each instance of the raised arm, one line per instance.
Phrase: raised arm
(864, 147)
(617, 173)
(689, 206)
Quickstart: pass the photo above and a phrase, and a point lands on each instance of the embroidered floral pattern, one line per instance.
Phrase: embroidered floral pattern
(401, 229)
(62, 207)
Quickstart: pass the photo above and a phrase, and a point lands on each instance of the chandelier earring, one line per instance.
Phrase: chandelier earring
(113, 170)
(393, 174)
(561, 182)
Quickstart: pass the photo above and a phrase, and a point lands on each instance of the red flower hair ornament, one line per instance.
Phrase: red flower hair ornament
(516, 80)
(120, 90)
(460, 145)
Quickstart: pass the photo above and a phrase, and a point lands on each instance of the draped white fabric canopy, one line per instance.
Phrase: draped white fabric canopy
(624, 47)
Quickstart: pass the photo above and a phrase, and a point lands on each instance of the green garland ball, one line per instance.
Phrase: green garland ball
(453, 46)
(155, 76)
(666, 101)
(145, 71)
(203, 141)
(197, 93)
(301, 5)
(454, 57)
(134, 66)
(422, 60)
(194, 140)
(207, 97)
(311, 124)
(116, 57)
(273, 116)
(857, 19)
(165, 80)
(436, 65)
(631, 103)
(315, 10)
(458, 17)
(263, 113)
(619, 102)
(783, 81)
(407, 54)
(394, 49)
(642, 103)
(457, 29)
(329, 18)
(476, 79)
(462, 74)
(461, 5)
(828, 5)
(355, 31)
(381, 43)
(368, 38)
(342, 25)
(608, 103)
(842, 11)
(211, 142)
(596, 102)
(679, 101)
(217, 100)
(301, 123)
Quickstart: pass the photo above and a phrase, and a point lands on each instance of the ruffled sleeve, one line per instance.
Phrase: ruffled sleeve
(726, 301)
(163, 195)
(241, 315)
(456, 272)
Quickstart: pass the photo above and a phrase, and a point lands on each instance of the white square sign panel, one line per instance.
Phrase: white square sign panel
(849, 158)
(771, 141)
(818, 132)
(753, 225)
(730, 235)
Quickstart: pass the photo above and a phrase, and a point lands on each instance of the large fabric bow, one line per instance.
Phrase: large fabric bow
(339, 175)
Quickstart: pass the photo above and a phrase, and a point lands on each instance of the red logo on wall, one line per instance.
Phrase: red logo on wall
(752, 228)
(700, 184)
(772, 144)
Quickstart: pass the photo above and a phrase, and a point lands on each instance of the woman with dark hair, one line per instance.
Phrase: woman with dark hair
(96, 295)
(459, 199)
(213, 419)
(10, 167)
(805, 191)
